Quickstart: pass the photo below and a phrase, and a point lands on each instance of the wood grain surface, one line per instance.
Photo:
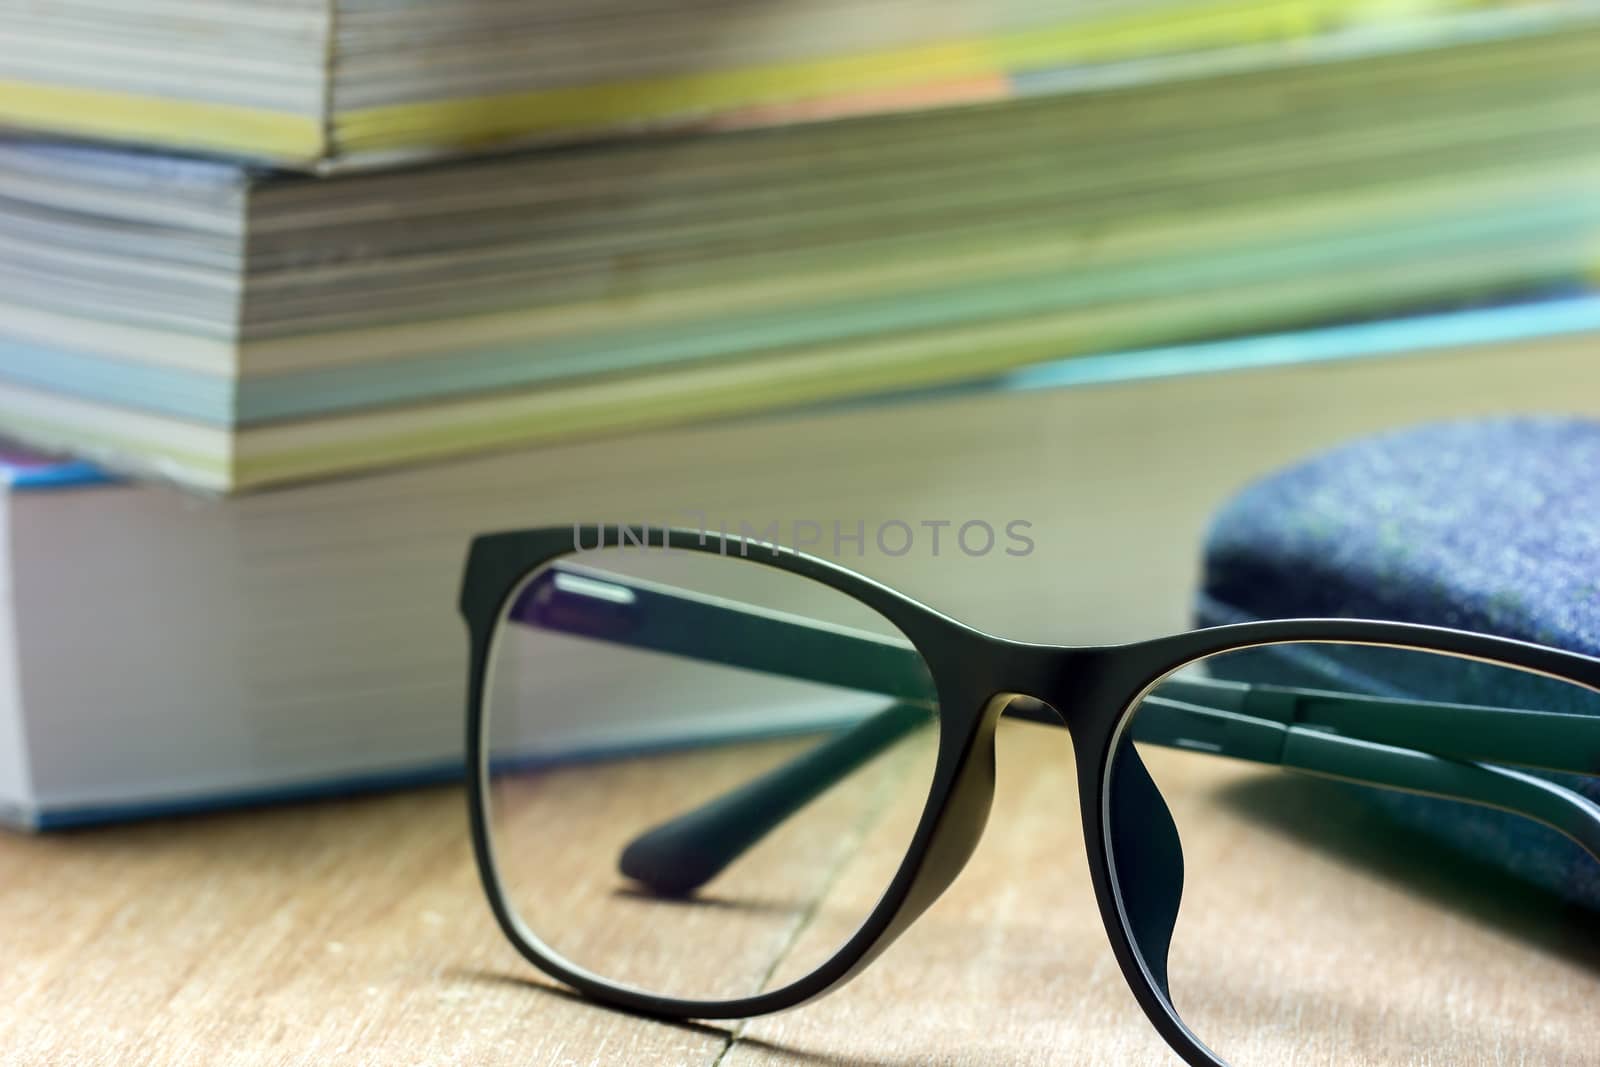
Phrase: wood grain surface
(356, 932)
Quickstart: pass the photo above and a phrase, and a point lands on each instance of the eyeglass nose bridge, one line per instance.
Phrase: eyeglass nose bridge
(1084, 691)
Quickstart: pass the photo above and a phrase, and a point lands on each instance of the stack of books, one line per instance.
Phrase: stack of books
(1018, 183)
(263, 243)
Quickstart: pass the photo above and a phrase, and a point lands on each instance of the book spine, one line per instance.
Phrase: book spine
(16, 787)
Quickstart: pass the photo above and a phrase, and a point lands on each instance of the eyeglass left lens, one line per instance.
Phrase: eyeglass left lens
(649, 823)
(1292, 918)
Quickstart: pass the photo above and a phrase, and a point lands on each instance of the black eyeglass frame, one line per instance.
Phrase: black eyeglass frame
(1094, 690)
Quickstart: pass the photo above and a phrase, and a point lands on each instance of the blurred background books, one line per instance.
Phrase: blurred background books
(307, 248)
(231, 327)
(307, 82)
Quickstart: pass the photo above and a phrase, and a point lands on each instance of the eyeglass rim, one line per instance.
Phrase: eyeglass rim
(974, 674)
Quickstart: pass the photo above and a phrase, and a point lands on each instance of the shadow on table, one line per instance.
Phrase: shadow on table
(713, 901)
(1335, 820)
(731, 1031)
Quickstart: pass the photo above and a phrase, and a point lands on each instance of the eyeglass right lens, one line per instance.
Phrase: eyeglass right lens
(704, 771)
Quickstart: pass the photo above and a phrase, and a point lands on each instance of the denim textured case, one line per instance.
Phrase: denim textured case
(1490, 525)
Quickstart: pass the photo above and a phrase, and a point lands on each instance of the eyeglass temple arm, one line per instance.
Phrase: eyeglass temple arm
(661, 618)
(1268, 724)
(666, 619)
(1174, 723)
(676, 857)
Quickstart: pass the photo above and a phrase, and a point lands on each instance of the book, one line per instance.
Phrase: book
(314, 83)
(232, 328)
(162, 651)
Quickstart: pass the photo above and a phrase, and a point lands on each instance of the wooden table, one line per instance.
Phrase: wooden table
(355, 932)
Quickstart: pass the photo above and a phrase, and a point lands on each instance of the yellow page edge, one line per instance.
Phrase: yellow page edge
(989, 61)
(225, 128)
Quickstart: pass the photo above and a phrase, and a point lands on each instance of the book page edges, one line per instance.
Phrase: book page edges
(281, 137)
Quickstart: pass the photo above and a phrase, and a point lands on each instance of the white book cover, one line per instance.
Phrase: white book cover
(162, 651)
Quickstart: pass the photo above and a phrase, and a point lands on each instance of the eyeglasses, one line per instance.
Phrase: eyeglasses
(712, 778)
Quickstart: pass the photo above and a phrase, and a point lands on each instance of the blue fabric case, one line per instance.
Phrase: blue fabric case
(1491, 526)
